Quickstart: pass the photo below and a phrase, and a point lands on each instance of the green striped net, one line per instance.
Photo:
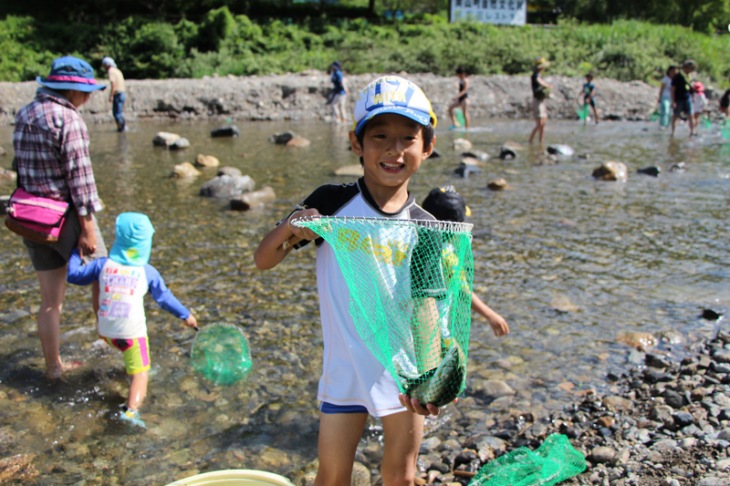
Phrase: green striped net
(554, 461)
(410, 286)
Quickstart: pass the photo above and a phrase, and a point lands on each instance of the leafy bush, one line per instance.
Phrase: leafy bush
(226, 44)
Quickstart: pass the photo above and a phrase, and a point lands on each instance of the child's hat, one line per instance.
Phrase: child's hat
(71, 73)
(698, 87)
(393, 94)
(541, 63)
(445, 204)
(133, 243)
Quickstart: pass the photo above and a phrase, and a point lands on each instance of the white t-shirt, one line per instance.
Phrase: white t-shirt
(351, 375)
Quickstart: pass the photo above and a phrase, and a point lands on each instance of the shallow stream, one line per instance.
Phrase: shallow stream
(570, 262)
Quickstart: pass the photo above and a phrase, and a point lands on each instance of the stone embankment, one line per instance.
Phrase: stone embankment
(302, 97)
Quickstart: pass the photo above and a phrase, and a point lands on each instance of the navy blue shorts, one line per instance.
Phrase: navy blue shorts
(331, 408)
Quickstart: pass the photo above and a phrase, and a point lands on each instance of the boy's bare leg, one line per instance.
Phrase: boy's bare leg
(339, 435)
(403, 434)
(53, 288)
(137, 390)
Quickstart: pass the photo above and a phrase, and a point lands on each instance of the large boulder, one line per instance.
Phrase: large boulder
(462, 145)
(290, 139)
(227, 131)
(559, 149)
(354, 170)
(186, 170)
(611, 171)
(226, 186)
(253, 199)
(164, 139)
(171, 141)
(203, 160)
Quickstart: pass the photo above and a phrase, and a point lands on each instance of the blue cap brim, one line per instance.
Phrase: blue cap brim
(58, 86)
(417, 116)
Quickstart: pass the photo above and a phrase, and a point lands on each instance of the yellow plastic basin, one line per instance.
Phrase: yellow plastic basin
(234, 477)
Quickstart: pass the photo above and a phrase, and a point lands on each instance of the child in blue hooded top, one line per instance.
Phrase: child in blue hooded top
(124, 278)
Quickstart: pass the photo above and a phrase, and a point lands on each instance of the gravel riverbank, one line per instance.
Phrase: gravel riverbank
(665, 423)
(302, 97)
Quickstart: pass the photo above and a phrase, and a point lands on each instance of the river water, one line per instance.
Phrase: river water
(571, 263)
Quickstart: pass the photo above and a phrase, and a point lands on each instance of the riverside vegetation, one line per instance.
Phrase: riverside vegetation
(222, 43)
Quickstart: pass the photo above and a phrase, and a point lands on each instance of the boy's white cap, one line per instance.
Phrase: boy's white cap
(393, 94)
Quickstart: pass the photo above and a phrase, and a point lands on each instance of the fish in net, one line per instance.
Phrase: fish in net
(554, 461)
(221, 354)
(410, 285)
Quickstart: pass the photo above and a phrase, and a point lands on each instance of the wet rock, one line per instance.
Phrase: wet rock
(497, 184)
(203, 160)
(679, 167)
(611, 171)
(475, 154)
(18, 469)
(562, 303)
(179, 144)
(466, 170)
(493, 389)
(506, 153)
(462, 145)
(653, 171)
(227, 131)
(710, 315)
(562, 150)
(354, 170)
(229, 171)
(547, 159)
(289, 139)
(638, 340)
(656, 361)
(165, 139)
(226, 186)
(253, 199)
(186, 170)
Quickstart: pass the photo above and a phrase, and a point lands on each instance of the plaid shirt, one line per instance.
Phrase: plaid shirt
(51, 145)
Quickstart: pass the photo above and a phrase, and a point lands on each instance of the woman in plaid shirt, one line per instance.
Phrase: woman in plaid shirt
(51, 145)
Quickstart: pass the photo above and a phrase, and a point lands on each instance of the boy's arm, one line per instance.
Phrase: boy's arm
(80, 274)
(277, 244)
(498, 324)
(163, 296)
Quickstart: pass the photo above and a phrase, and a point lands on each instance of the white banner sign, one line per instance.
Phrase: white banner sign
(512, 12)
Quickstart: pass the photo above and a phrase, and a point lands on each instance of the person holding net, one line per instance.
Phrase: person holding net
(393, 135)
(445, 204)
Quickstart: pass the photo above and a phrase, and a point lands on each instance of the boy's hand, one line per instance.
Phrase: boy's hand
(191, 321)
(499, 325)
(298, 232)
(414, 406)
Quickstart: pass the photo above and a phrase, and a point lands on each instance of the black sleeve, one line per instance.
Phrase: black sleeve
(328, 200)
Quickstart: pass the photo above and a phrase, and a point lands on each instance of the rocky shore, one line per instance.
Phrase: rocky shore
(665, 423)
(302, 97)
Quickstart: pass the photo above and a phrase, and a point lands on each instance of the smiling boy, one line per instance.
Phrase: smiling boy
(393, 135)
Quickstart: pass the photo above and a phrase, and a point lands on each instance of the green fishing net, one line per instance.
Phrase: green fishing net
(221, 354)
(410, 286)
(554, 461)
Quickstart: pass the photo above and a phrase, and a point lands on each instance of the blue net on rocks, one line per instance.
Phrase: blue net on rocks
(410, 285)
